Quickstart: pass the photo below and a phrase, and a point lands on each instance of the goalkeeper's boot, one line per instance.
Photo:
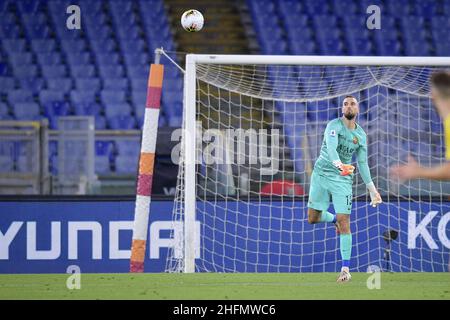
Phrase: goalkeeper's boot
(344, 276)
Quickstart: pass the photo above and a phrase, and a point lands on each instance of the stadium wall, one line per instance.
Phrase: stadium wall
(50, 236)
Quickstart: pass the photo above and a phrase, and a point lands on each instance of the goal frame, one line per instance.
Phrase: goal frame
(189, 109)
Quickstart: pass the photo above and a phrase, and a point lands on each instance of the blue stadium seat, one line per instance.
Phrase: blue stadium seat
(4, 70)
(7, 84)
(170, 97)
(440, 34)
(132, 32)
(29, 6)
(21, 58)
(135, 58)
(325, 21)
(388, 48)
(33, 85)
(416, 48)
(140, 84)
(442, 48)
(100, 123)
(13, 45)
(115, 109)
(103, 46)
(359, 47)
(122, 122)
(132, 46)
(275, 47)
(111, 71)
(25, 71)
(331, 47)
(53, 110)
(85, 108)
(78, 58)
(4, 110)
(118, 7)
(88, 84)
(175, 122)
(138, 99)
(304, 35)
(60, 84)
(172, 84)
(43, 45)
(63, 33)
(115, 84)
(104, 148)
(408, 23)
(427, 8)
(71, 45)
(98, 31)
(6, 163)
(124, 20)
(343, 8)
(8, 18)
(18, 96)
(46, 96)
(26, 111)
(399, 8)
(126, 164)
(83, 96)
(93, 7)
(102, 164)
(153, 6)
(51, 58)
(296, 21)
(303, 48)
(106, 59)
(112, 96)
(9, 31)
(128, 147)
(37, 32)
(174, 109)
(82, 71)
(54, 71)
(446, 8)
(140, 71)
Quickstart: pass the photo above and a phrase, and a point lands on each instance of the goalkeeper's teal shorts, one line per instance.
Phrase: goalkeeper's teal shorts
(327, 188)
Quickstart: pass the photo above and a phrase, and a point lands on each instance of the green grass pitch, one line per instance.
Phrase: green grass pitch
(243, 286)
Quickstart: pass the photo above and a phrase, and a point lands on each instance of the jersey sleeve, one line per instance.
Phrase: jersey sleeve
(331, 139)
(363, 165)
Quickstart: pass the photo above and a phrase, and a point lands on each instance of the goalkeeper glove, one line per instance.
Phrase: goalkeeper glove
(345, 169)
(375, 198)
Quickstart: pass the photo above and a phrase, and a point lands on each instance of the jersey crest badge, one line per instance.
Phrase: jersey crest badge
(333, 133)
(355, 140)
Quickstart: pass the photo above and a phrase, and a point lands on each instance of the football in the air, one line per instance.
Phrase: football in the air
(192, 20)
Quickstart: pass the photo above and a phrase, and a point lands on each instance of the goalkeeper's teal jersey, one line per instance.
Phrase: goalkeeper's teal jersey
(340, 143)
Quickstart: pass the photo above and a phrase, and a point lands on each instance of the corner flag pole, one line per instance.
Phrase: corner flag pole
(146, 165)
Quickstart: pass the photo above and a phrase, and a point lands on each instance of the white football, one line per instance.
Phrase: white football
(192, 21)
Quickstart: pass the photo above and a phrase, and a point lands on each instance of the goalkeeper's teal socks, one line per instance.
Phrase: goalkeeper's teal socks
(327, 217)
(346, 248)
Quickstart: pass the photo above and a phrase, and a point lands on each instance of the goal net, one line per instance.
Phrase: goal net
(253, 128)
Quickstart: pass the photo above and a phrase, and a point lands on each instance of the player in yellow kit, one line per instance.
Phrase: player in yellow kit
(440, 93)
(332, 177)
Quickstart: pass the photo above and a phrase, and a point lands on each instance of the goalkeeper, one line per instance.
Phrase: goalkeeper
(332, 177)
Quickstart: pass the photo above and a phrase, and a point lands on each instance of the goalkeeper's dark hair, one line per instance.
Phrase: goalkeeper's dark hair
(350, 96)
(441, 82)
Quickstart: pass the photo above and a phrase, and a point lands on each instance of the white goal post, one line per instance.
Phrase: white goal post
(236, 81)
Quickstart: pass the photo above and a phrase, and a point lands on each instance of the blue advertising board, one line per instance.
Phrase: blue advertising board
(47, 237)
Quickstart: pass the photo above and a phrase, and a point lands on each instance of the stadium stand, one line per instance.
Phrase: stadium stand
(48, 71)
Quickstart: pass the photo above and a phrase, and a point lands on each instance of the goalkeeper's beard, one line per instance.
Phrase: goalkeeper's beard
(349, 116)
